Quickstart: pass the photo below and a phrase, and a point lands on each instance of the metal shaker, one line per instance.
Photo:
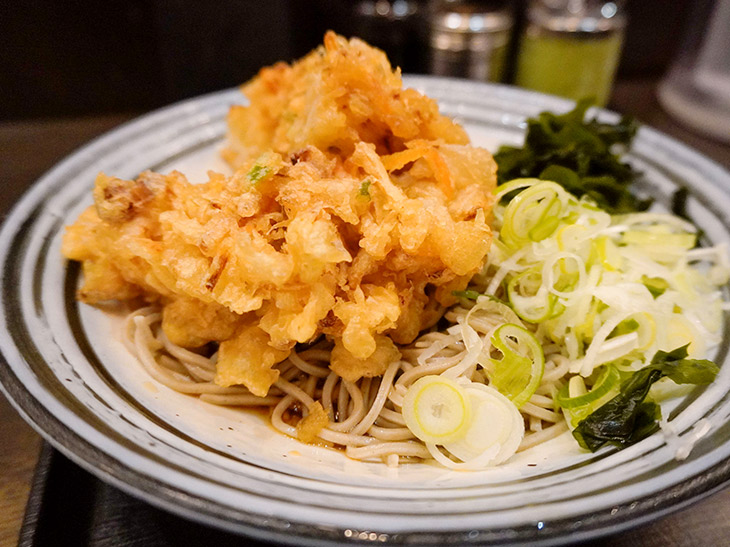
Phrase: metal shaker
(468, 40)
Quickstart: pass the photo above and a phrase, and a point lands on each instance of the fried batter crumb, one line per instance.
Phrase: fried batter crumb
(309, 427)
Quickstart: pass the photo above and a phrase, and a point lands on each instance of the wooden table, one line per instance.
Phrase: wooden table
(29, 148)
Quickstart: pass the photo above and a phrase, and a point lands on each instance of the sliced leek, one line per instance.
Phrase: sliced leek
(519, 370)
(579, 402)
(577, 272)
(474, 424)
(534, 214)
(605, 292)
(495, 432)
(530, 299)
(437, 409)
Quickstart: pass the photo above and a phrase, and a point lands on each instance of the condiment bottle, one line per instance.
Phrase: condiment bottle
(469, 40)
(571, 47)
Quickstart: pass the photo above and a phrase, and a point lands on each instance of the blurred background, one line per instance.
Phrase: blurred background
(70, 58)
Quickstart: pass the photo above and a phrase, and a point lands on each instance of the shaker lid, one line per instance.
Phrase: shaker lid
(470, 18)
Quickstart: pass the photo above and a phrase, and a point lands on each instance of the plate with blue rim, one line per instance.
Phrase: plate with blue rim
(68, 373)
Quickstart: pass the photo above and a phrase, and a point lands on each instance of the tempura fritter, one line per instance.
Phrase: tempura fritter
(354, 212)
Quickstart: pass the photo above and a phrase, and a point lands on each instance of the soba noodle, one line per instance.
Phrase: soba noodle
(364, 417)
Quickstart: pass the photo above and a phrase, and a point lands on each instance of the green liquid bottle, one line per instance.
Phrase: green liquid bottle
(571, 48)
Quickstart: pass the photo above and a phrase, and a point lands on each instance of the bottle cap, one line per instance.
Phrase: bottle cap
(469, 26)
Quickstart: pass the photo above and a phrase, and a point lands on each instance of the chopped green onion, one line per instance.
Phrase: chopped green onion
(508, 187)
(365, 187)
(530, 299)
(650, 239)
(580, 405)
(258, 172)
(518, 373)
(605, 253)
(437, 409)
(625, 327)
(656, 285)
(533, 214)
(495, 432)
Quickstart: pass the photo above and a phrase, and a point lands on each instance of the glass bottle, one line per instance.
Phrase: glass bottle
(571, 48)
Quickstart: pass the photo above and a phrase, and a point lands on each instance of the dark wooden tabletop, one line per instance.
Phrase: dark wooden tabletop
(29, 148)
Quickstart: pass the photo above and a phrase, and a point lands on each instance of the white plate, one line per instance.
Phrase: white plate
(71, 378)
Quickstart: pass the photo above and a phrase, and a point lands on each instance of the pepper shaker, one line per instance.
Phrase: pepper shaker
(468, 40)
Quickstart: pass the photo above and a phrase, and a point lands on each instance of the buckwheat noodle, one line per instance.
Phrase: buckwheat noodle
(364, 416)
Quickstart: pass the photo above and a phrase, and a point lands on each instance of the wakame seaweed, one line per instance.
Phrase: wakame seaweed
(628, 418)
(577, 154)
